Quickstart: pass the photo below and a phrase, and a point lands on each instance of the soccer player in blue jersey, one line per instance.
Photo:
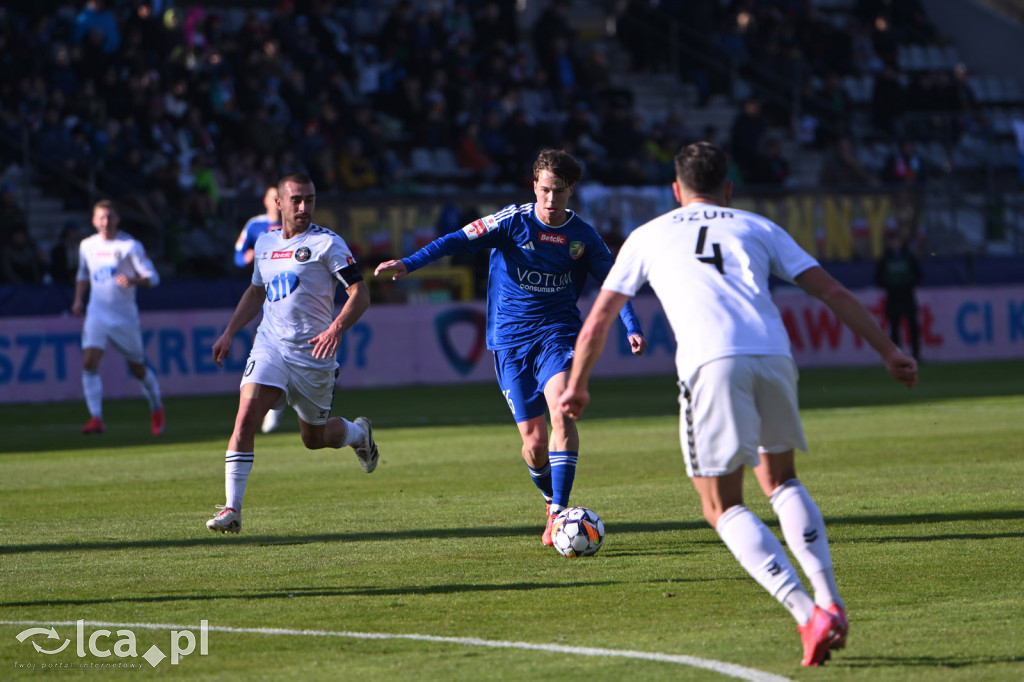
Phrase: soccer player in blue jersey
(244, 254)
(541, 256)
(256, 226)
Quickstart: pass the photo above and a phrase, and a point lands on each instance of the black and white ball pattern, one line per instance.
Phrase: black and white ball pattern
(577, 531)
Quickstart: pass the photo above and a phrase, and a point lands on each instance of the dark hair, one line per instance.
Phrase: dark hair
(561, 164)
(702, 167)
(297, 178)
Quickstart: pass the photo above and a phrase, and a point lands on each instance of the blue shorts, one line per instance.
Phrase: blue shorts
(523, 372)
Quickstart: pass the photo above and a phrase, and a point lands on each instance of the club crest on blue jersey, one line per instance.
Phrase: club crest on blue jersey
(576, 249)
(302, 254)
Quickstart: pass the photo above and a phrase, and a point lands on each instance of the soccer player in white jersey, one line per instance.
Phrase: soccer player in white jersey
(297, 269)
(541, 256)
(244, 255)
(112, 265)
(709, 265)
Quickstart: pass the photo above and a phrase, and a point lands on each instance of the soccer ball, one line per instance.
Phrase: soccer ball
(577, 531)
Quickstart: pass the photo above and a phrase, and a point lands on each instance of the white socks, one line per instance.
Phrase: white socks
(92, 387)
(761, 554)
(353, 433)
(237, 466)
(152, 390)
(804, 530)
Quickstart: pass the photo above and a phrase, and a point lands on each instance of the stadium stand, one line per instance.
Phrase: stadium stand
(183, 111)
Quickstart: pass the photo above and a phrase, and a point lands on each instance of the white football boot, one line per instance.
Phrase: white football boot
(367, 450)
(227, 521)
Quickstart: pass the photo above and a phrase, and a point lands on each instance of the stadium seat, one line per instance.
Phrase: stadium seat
(447, 166)
(422, 163)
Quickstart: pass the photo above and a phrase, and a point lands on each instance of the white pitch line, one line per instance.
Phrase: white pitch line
(729, 669)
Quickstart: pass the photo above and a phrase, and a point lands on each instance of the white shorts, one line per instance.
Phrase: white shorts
(126, 338)
(734, 408)
(309, 391)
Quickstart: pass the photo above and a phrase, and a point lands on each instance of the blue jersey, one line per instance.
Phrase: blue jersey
(256, 226)
(537, 272)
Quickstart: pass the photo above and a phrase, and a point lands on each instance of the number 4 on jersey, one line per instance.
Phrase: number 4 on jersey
(716, 248)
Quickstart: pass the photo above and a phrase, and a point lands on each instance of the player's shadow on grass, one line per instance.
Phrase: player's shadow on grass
(210, 540)
(953, 661)
(320, 592)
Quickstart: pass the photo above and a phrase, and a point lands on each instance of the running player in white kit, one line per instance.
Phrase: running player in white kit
(244, 255)
(297, 269)
(709, 266)
(112, 265)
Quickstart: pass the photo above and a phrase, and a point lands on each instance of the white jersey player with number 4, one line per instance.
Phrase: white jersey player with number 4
(112, 266)
(693, 250)
(710, 265)
(296, 271)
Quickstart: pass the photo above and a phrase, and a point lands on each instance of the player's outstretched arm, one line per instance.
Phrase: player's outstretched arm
(396, 266)
(589, 345)
(854, 315)
(245, 312)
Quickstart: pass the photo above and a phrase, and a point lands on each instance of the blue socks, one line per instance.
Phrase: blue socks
(563, 472)
(542, 479)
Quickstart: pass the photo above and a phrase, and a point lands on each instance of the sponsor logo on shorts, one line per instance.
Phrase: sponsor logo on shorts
(302, 254)
(280, 254)
(548, 238)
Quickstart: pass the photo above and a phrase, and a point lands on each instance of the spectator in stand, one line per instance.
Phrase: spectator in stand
(904, 165)
(898, 272)
(472, 156)
(64, 254)
(96, 20)
(594, 76)
(771, 167)
(747, 130)
(12, 218)
(553, 37)
(841, 165)
(21, 260)
(355, 169)
(888, 102)
(885, 43)
(836, 100)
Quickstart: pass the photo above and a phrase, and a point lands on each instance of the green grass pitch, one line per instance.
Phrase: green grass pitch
(922, 492)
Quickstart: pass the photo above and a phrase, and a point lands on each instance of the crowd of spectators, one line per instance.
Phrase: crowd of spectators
(170, 109)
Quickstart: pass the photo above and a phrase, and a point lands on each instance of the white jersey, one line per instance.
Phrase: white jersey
(100, 262)
(709, 266)
(300, 276)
